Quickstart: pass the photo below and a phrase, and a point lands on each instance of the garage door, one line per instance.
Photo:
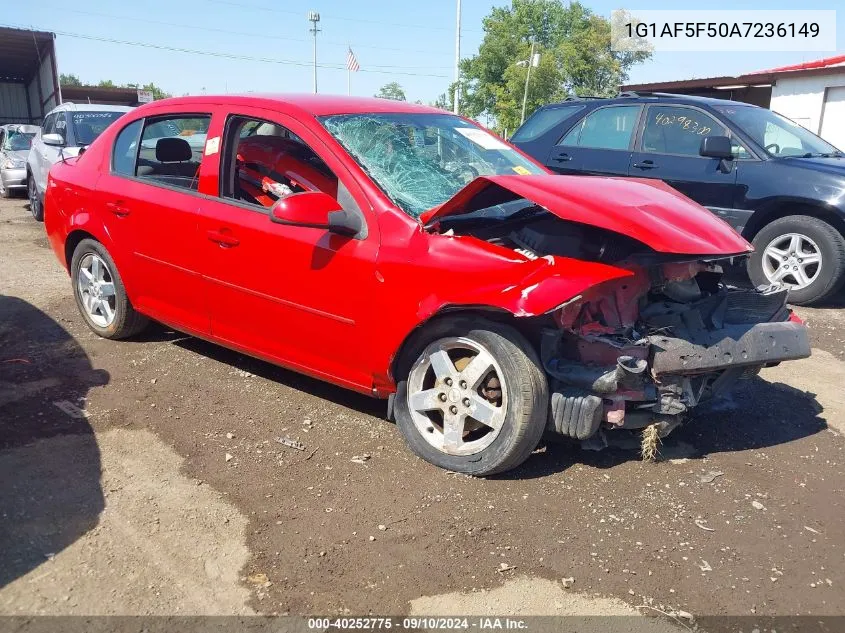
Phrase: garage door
(833, 119)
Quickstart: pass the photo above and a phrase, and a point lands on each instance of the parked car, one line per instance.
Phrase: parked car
(775, 182)
(15, 141)
(487, 308)
(67, 129)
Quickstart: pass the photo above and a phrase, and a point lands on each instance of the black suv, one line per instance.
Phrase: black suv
(779, 185)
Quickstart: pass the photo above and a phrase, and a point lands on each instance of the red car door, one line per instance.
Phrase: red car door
(290, 294)
(150, 204)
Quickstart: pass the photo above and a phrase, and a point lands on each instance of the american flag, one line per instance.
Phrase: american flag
(352, 62)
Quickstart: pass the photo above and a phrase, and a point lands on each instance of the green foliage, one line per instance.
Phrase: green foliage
(107, 83)
(69, 80)
(575, 58)
(393, 91)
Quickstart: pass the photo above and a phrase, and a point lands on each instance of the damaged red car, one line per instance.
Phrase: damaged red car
(409, 254)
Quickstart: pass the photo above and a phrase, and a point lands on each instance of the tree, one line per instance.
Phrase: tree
(391, 91)
(575, 58)
(107, 83)
(69, 80)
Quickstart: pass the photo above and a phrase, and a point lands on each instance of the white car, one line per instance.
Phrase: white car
(67, 129)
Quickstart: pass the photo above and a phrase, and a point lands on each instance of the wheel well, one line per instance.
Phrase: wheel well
(784, 209)
(529, 327)
(72, 241)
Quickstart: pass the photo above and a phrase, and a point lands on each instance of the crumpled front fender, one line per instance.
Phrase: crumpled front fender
(549, 283)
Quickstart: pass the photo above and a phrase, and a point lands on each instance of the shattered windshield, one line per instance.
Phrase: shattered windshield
(422, 160)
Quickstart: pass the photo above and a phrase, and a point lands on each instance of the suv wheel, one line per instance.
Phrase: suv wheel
(35, 206)
(474, 398)
(802, 252)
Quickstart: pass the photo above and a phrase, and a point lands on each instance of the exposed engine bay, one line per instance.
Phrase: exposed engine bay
(643, 350)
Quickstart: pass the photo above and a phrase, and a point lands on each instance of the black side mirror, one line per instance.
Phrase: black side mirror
(716, 147)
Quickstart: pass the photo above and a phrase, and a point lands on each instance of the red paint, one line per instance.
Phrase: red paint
(328, 305)
(632, 206)
(818, 63)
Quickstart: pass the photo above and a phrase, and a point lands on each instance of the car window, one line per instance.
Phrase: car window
(88, 125)
(15, 141)
(61, 125)
(264, 161)
(544, 120)
(605, 128)
(126, 149)
(678, 130)
(49, 124)
(171, 150)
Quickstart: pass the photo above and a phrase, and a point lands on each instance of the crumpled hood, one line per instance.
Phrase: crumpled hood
(648, 211)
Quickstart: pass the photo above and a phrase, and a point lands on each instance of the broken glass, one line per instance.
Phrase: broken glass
(421, 160)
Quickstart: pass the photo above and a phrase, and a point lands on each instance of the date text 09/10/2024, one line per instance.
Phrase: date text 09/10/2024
(422, 623)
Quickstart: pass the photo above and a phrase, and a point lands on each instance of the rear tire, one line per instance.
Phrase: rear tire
(775, 252)
(520, 415)
(35, 206)
(118, 319)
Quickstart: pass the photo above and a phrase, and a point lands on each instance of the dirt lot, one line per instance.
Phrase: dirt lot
(170, 495)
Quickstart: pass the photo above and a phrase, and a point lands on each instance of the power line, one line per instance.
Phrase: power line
(192, 51)
(255, 35)
(427, 27)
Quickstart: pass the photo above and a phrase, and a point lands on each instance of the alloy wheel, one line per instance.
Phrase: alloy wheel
(457, 396)
(792, 259)
(95, 285)
(32, 192)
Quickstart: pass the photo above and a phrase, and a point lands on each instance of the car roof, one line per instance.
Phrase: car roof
(658, 97)
(316, 105)
(23, 128)
(69, 106)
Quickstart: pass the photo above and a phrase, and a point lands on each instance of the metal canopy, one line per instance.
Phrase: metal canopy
(21, 52)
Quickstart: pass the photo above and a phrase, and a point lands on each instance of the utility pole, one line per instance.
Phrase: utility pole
(314, 18)
(458, 59)
(527, 77)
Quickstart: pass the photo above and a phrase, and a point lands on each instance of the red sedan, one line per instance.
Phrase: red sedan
(407, 253)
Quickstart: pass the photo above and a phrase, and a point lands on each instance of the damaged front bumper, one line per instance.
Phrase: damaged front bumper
(682, 349)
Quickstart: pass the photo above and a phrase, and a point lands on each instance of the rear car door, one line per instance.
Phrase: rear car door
(668, 150)
(600, 144)
(539, 135)
(150, 200)
(290, 294)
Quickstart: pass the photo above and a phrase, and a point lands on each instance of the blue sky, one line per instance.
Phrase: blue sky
(408, 42)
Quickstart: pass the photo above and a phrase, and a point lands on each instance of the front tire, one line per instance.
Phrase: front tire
(804, 253)
(35, 206)
(473, 397)
(100, 295)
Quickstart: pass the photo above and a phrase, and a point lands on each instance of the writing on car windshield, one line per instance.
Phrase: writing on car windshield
(421, 160)
(87, 126)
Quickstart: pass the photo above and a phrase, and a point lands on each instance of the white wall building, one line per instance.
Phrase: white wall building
(812, 93)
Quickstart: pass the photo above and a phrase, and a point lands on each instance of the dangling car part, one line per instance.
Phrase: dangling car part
(647, 347)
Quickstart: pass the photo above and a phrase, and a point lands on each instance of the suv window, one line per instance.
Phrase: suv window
(544, 120)
(678, 130)
(126, 149)
(606, 128)
(49, 124)
(263, 161)
(171, 150)
(61, 125)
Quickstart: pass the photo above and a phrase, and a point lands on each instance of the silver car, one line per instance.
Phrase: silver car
(15, 141)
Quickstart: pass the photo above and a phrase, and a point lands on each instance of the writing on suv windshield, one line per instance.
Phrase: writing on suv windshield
(422, 160)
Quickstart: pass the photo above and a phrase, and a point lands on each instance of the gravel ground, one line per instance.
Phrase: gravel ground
(169, 493)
